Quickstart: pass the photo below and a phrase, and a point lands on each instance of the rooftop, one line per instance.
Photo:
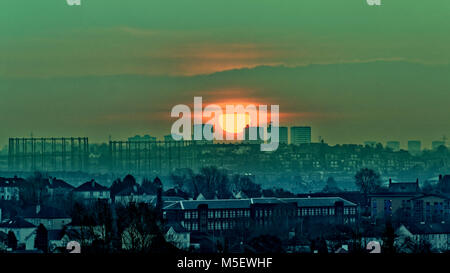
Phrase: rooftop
(246, 203)
(404, 186)
(45, 212)
(58, 183)
(91, 186)
(16, 222)
(7, 183)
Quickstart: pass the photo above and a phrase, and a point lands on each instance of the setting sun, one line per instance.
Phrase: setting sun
(234, 123)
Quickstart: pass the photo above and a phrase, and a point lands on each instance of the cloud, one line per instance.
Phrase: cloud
(140, 51)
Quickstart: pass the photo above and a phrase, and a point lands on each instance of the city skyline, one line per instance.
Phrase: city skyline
(103, 69)
(148, 136)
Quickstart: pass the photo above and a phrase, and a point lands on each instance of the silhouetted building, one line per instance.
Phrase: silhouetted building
(393, 145)
(436, 144)
(370, 143)
(169, 138)
(142, 138)
(300, 135)
(283, 135)
(209, 128)
(259, 137)
(414, 146)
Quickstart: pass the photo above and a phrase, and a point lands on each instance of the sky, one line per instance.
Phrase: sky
(353, 72)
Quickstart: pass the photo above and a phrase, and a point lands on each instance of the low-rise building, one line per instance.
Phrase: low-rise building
(386, 204)
(24, 231)
(58, 189)
(227, 214)
(9, 190)
(133, 194)
(51, 218)
(178, 236)
(91, 191)
(406, 203)
(436, 236)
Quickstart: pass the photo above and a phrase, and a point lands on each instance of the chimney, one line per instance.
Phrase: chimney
(440, 177)
(390, 181)
(38, 208)
(93, 183)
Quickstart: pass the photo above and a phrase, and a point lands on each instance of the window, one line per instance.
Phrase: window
(387, 208)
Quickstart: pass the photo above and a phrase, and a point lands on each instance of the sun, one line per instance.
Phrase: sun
(234, 123)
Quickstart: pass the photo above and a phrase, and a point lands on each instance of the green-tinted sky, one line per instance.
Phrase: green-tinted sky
(111, 67)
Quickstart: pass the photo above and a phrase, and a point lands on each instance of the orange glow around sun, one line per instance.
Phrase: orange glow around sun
(234, 123)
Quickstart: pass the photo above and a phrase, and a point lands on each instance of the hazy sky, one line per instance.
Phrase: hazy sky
(111, 67)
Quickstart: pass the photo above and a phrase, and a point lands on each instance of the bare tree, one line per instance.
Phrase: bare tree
(368, 181)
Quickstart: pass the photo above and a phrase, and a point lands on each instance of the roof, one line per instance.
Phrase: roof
(14, 179)
(176, 227)
(404, 186)
(7, 183)
(91, 186)
(45, 212)
(246, 203)
(352, 196)
(135, 190)
(396, 194)
(435, 228)
(16, 222)
(318, 201)
(54, 183)
(430, 194)
(212, 204)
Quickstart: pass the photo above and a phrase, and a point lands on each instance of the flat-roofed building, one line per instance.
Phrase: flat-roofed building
(227, 214)
(437, 143)
(393, 145)
(414, 147)
(300, 135)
